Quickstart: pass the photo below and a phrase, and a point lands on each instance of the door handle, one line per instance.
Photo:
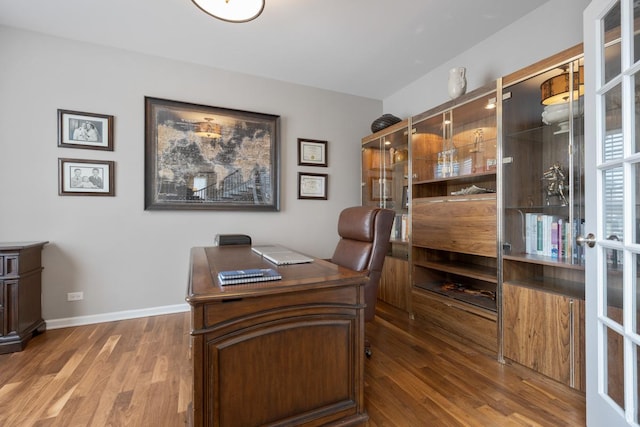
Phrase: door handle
(590, 240)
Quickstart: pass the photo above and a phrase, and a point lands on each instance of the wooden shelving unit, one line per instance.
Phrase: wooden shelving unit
(453, 217)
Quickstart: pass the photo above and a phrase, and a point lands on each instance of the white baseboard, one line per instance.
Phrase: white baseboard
(118, 315)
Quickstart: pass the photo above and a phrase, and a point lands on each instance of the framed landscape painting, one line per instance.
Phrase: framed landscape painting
(202, 157)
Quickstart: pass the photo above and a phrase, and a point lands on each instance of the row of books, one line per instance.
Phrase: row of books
(553, 236)
(400, 227)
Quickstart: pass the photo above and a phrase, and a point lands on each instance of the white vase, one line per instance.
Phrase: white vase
(457, 82)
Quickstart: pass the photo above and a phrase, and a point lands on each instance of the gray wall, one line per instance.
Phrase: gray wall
(121, 256)
(551, 28)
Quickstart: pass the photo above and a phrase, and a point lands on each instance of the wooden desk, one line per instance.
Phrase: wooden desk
(287, 352)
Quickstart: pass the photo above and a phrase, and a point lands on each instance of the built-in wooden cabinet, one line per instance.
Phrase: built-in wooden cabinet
(545, 332)
(495, 193)
(385, 184)
(542, 193)
(453, 216)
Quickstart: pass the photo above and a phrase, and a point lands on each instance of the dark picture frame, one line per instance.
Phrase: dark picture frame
(405, 197)
(204, 157)
(80, 177)
(312, 152)
(77, 129)
(312, 185)
(380, 188)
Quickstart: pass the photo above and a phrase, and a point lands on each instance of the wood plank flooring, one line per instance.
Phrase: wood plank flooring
(137, 373)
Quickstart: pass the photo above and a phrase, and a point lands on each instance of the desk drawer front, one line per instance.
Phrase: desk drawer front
(223, 311)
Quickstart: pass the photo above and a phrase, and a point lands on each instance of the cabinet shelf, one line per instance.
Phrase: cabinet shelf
(543, 260)
(460, 179)
(482, 302)
(473, 271)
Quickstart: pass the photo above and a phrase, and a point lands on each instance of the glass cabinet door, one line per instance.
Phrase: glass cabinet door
(542, 166)
(385, 174)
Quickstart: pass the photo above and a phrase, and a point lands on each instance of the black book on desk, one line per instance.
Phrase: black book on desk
(234, 277)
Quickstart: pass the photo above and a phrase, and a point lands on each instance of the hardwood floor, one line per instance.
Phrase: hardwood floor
(137, 373)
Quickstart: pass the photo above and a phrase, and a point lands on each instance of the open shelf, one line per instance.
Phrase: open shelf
(468, 296)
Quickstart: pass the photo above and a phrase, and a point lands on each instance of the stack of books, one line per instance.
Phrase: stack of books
(234, 277)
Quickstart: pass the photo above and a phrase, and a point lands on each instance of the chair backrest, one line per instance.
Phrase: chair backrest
(364, 241)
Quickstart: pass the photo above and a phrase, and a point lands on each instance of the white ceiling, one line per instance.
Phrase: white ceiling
(369, 48)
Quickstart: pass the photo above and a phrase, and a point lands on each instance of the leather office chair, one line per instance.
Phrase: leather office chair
(364, 241)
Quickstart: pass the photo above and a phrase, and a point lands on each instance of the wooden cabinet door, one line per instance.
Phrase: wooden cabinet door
(394, 284)
(542, 331)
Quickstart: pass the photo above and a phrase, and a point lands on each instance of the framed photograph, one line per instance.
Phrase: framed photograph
(312, 152)
(86, 177)
(85, 130)
(312, 186)
(380, 189)
(202, 157)
(405, 197)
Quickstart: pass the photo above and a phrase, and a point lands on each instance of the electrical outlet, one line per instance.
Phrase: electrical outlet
(75, 296)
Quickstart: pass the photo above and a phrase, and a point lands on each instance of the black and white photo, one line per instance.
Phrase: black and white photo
(78, 177)
(85, 130)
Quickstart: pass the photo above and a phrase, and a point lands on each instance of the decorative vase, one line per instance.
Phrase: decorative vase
(384, 121)
(457, 82)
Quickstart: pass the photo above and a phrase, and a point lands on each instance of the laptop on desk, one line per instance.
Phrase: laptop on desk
(280, 255)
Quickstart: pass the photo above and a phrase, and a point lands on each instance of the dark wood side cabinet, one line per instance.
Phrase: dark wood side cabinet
(282, 353)
(20, 294)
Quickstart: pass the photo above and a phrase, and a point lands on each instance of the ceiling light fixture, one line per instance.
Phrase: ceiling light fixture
(556, 89)
(231, 10)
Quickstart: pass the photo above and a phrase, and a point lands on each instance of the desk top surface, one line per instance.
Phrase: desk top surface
(206, 262)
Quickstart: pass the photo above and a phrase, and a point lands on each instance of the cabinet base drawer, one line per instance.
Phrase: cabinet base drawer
(465, 322)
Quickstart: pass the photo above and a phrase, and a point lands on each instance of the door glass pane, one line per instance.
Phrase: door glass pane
(613, 187)
(636, 192)
(636, 110)
(615, 367)
(636, 28)
(636, 259)
(612, 144)
(611, 24)
(613, 287)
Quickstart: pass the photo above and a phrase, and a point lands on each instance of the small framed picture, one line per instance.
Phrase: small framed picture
(405, 197)
(380, 189)
(85, 177)
(85, 130)
(312, 152)
(312, 186)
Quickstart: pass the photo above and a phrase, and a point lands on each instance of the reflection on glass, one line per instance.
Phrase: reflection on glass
(612, 145)
(636, 193)
(615, 368)
(636, 259)
(612, 207)
(611, 37)
(636, 106)
(613, 287)
(636, 28)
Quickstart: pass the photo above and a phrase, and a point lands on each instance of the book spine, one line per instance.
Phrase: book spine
(539, 235)
(554, 240)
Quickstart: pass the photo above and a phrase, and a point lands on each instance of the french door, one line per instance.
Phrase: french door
(612, 207)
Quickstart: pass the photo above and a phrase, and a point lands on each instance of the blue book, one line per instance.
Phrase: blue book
(234, 277)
